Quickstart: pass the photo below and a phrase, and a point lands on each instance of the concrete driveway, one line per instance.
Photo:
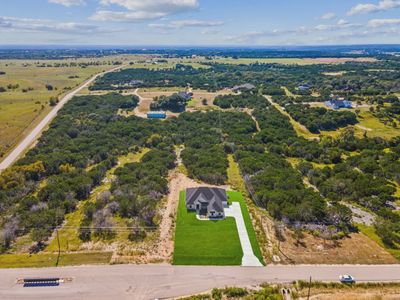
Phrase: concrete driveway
(249, 259)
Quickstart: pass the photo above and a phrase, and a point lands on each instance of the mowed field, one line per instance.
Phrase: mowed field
(293, 61)
(23, 106)
(205, 242)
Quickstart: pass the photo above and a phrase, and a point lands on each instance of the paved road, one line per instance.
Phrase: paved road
(249, 259)
(35, 133)
(159, 281)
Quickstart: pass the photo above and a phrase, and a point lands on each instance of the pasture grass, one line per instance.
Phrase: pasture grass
(21, 110)
(42, 260)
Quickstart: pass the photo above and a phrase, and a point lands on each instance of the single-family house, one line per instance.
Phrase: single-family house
(185, 95)
(245, 87)
(207, 202)
(338, 104)
(303, 88)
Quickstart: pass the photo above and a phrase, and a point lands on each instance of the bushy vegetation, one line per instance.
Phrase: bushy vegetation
(320, 118)
(88, 136)
(175, 103)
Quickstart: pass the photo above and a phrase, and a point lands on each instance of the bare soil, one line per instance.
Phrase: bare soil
(356, 249)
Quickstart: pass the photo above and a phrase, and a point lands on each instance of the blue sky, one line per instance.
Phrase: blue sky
(200, 22)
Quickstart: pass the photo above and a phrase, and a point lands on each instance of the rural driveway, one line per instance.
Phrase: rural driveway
(248, 259)
(161, 281)
(35, 133)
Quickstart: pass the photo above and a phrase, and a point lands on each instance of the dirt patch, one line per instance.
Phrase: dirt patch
(335, 74)
(363, 127)
(356, 249)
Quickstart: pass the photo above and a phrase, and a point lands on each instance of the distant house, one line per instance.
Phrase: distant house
(207, 202)
(185, 95)
(338, 103)
(243, 87)
(303, 88)
(156, 115)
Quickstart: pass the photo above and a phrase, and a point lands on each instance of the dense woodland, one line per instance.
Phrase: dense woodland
(88, 137)
(356, 79)
(174, 103)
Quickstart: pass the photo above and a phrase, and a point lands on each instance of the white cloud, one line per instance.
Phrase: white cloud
(130, 16)
(328, 16)
(68, 3)
(382, 5)
(186, 23)
(139, 10)
(39, 25)
(383, 22)
(210, 31)
(340, 24)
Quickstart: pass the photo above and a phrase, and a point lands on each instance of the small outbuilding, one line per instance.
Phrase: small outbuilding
(156, 115)
(207, 202)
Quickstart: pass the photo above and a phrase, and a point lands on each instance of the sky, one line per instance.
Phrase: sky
(199, 22)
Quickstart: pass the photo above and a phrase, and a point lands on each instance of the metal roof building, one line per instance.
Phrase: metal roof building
(156, 115)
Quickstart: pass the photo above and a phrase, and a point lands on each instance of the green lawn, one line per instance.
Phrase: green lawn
(205, 242)
(49, 259)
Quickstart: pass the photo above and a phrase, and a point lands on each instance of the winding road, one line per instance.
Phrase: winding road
(35, 133)
(162, 281)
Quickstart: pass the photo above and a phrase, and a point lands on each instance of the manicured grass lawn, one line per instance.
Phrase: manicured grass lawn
(237, 197)
(205, 242)
(49, 259)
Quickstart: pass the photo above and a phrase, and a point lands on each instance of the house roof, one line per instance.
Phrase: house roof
(246, 86)
(186, 95)
(213, 196)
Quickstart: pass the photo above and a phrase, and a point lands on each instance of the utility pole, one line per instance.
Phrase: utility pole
(309, 289)
(59, 248)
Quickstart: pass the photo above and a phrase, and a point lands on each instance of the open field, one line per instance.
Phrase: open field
(377, 128)
(293, 61)
(23, 107)
(42, 260)
(314, 250)
(205, 242)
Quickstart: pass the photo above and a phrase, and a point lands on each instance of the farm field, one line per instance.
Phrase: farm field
(24, 105)
(292, 61)
(200, 242)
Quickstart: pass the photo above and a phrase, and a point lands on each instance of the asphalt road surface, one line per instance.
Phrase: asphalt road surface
(161, 281)
(35, 133)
